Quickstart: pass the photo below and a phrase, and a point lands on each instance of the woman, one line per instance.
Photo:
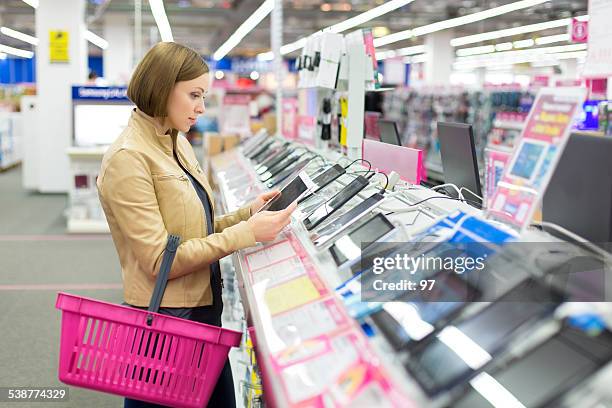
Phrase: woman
(148, 186)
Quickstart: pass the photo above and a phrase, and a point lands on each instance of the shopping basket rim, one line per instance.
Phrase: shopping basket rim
(63, 307)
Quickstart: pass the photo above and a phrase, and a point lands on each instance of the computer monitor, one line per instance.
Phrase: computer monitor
(458, 153)
(579, 195)
(388, 132)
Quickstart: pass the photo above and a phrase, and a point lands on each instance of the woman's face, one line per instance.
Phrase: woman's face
(186, 102)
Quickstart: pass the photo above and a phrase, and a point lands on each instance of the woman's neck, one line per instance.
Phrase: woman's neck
(163, 123)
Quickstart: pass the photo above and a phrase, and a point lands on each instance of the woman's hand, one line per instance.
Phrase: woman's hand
(266, 225)
(261, 200)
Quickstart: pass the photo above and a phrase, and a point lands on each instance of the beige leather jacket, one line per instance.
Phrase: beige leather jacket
(146, 196)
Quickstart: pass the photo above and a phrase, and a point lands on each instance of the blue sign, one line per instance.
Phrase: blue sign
(100, 93)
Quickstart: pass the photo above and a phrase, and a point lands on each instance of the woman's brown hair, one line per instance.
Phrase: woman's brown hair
(163, 66)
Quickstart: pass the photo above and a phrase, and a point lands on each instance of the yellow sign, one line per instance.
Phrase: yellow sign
(58, 46)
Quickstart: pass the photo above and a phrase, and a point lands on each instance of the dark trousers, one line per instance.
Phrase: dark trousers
(223, 395)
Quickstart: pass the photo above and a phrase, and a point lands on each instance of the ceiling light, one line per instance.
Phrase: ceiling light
(219, 74)
(456, 22)
(326, 7)
(16, 51)
(518, 58)
(380, 31)
(351, 22)
(96, 40)
(552, 39)
(245, 28)
(524, 43)
(367, 16)
(19, 35)
(415, 59)
(254, 75)
(535, 51)
(265, 56)
(33, 3)
(503, 46)
(161, 19)
(485, 49)
(294, 46)
(508, 32)
(417, 49)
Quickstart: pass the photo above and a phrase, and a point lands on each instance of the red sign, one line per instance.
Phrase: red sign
(580, 31)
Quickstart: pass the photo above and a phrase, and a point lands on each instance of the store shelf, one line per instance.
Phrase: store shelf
(87, 227)
(508, 125)
(87, 152)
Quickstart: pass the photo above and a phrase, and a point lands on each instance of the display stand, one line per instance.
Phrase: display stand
(84, 214)
(11, 140)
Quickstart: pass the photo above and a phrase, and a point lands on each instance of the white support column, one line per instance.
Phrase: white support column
(357, 60)
(480, 77)
(276, 40)
(440, 56)
(569, 68)
(53, 83)
(119, 55)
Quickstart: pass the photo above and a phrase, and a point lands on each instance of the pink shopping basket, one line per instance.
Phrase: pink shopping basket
(111, 348)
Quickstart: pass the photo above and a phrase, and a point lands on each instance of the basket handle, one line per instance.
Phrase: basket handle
(162, 277)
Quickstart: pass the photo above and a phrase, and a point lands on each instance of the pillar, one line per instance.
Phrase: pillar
(119, 55)
(439, 57)
(53, 83)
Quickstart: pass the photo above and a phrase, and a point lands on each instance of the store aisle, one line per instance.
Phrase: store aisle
(38, 260)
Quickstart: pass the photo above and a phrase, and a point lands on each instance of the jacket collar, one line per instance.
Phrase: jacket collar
(165, 137)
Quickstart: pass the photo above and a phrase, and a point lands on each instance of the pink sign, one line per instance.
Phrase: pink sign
(535, 156)
(405, 161)
(371, 125)
(290, 108)
(580, 31)
(306, 128)
(495, 163)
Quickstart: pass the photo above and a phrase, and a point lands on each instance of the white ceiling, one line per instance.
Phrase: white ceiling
(206, 24)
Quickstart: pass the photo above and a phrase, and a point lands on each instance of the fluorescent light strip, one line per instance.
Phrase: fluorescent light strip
(16, 51)
(33, 3)
(538, 51)
(552, 39)
(367, 16)
(19, 35)
(417, 49)
(524, 43)
(485, 49)
(96, 40)
(493, 62)
(2, 56)
(415, 59)
(508, 32)
(507, 46)
(265, 56)
(161, 19)
(351, 22)
(245, 28)
(456, 22)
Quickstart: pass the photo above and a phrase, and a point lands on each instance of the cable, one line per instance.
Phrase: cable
(356, 160)
(472, 193)
(407, 209)
(457, 189)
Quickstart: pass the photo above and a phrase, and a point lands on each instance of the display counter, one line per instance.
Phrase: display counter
(312, 348)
